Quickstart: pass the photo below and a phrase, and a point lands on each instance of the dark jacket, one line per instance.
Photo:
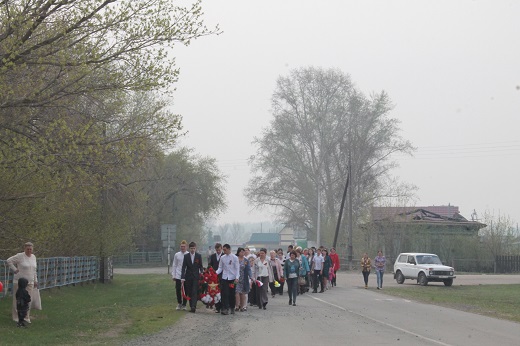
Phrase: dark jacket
(213, 262)
(22, 297)
(191, 271)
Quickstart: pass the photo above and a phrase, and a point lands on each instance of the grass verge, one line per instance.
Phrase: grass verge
(131, 306)
(499, 301)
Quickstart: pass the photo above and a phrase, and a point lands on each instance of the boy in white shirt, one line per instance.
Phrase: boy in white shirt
(178, 258)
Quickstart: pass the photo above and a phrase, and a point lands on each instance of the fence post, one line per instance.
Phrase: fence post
(104, 270)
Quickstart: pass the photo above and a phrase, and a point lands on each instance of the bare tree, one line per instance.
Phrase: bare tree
(236, 234)
(320, 120)
(499, 235)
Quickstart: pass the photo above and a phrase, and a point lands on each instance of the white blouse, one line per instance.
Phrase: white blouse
(26, 267)
(262, 267)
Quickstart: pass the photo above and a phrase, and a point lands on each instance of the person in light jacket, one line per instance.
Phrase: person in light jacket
(23, 265)
(264, 275)
(276, 268)
(379, 264)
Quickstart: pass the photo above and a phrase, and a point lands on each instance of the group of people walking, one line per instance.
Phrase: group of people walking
(246, 278)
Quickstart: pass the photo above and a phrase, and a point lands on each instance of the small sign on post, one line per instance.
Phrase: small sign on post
(168, 235)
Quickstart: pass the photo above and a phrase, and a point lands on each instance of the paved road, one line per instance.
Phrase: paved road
(355, 279)
(345, 315)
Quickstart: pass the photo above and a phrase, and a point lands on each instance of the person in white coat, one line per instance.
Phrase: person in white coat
(23, 265)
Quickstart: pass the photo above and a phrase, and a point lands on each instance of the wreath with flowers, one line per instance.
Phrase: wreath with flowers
(209, 289)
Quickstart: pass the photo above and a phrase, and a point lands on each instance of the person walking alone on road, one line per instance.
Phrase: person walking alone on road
(380, 263)
(365, 268)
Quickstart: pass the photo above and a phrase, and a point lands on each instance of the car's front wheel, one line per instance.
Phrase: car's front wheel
(448, 282)
(399, 277)
(422, 280)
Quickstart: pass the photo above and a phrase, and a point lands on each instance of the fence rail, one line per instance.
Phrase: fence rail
(138, 259)
(56, 272)
(507, 264)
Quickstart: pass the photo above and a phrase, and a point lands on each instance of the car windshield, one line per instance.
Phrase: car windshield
(428, 259)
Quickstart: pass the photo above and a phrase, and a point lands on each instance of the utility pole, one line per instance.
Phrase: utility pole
(340, 216)
(350, 248)
(318, 225)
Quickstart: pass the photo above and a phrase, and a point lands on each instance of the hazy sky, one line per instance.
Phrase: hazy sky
(451, 68)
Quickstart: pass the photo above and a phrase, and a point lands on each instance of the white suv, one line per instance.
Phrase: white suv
(423, 267)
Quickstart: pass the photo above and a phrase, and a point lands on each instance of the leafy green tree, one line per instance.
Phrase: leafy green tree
(80, 111)
(182, 189)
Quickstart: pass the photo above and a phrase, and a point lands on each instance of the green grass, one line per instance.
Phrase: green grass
(499, 301)
(132, 305)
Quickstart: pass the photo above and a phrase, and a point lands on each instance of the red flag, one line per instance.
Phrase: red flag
(183, 293)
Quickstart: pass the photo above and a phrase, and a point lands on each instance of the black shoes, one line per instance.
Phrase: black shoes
(264, 306)
(225, 312)
(290, 301)
(293, 304)
(192, 310)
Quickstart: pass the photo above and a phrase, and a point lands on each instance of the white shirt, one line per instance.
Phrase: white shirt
(318, 262)
(177, 264)
(229, 266)
(262, 267)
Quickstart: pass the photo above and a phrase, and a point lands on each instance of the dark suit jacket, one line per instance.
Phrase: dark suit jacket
(213, 261)
(191, 271)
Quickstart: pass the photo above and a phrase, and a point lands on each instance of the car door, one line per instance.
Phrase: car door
(413, 266)
(405, 265)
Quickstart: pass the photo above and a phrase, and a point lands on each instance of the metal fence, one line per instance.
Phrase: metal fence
(507, 264)
(56, 272)
(135, 259)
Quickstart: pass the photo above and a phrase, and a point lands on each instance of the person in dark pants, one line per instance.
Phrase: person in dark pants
(229, 267)
(178, 259)
(318, 270)
(191, 270)
(22, 301)
(214, 261)
(291, 270)
(365, 268)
